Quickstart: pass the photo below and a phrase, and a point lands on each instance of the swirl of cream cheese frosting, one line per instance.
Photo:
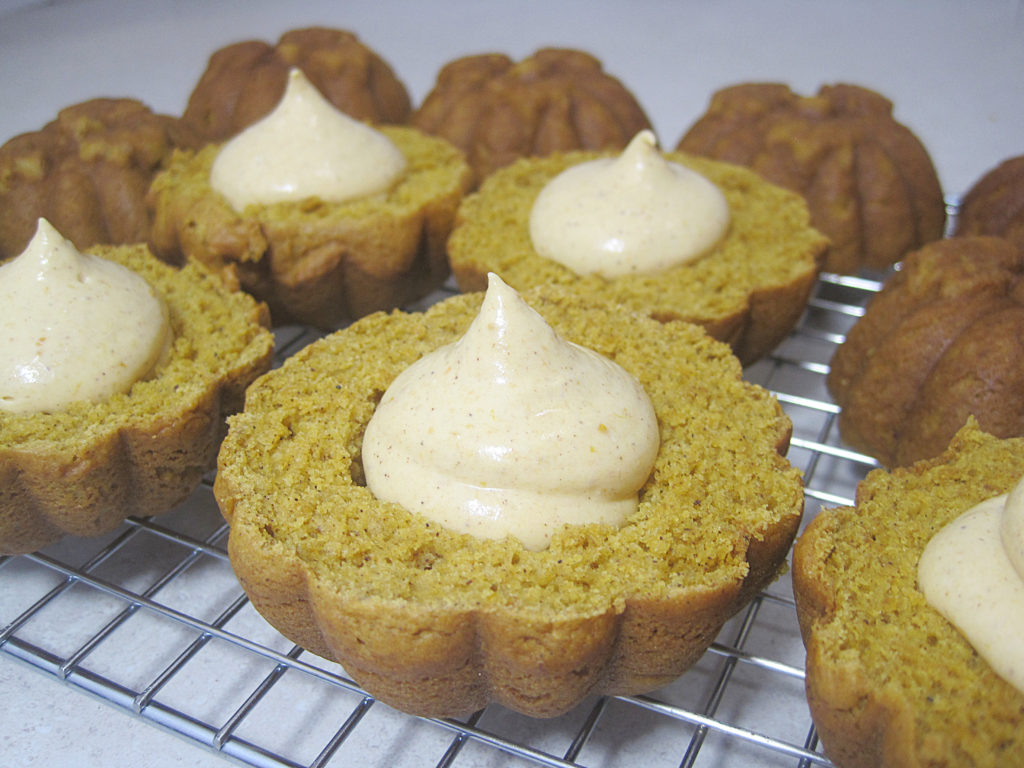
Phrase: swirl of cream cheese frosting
(637, 213)
(75, 327)
(972, 572)
(512, 431)
(305, 148)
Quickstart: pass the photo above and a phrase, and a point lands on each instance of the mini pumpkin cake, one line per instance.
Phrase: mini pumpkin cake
(281, 219)
(86, 172)
(496, 109)
(435, 619)
(943, 340)
(108, 411)
(891, 682)
(747, 288)
(244, 81)
(869, 181)
(994, 205)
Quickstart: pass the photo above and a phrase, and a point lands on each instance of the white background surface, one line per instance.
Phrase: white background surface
(954, 70)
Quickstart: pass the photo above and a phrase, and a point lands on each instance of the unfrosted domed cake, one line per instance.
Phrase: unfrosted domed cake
(496, 110)
(243, 81)
(994, 205)
(943, 340)
(86, 172)
(869, 181)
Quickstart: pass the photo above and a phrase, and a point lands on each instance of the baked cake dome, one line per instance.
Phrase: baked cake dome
(243, 81)
(869, 181)
(496, 109)
(942, 341)
(435, 621)
(994, 205)
(87, 173)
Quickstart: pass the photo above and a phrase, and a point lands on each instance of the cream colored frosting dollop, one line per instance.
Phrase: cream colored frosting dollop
(75, 326)
(637, 213)
(512, 431)
(305, 148)
(972, 572)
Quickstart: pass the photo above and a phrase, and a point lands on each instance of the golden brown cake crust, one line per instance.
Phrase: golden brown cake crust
(313, 262)
(749, 291)
(942, 340)
(890, 682)
(440, 623)
(86, 172)
(244, 81)
(83, 471)
(869, 182)
(994, 205)
(497, 110)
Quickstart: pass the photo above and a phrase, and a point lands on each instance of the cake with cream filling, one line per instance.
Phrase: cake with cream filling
(113, 406)
(747, 284)
(315, 249)
(891, 681)
(437, 616)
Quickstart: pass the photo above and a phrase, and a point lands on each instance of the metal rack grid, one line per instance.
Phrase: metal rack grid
(151, 619)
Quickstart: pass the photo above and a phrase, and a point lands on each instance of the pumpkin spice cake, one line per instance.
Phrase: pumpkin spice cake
(497, 110)
(748, 290)
(312, 258)
(890, 681)
(440, 622)
(83, 468)
(243, 81)
(941, 342)
(869, 181)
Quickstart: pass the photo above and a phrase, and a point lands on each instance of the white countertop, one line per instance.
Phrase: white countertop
(953, 70)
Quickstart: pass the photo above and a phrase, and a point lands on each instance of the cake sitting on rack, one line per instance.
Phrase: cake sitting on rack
(323, 217)
(87, 173)
(461, 506)
(942, 341)
(497, 110)
(994, 205)
(244, 81)
(669, 235)
(867, 178)
(911, 607)
(115, 378)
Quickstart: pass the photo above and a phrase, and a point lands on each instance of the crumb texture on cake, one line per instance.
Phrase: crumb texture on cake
(436, 622)
(749, 291)
(314, 262)
(558, 99)
(890, 682)
(87, 173)
(943, 340)
(244, 81)
(82, 471)
(869, 181)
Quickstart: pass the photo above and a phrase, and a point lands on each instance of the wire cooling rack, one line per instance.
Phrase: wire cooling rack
(152, 620)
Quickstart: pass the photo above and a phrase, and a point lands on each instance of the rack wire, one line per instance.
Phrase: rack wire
(151, 619)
